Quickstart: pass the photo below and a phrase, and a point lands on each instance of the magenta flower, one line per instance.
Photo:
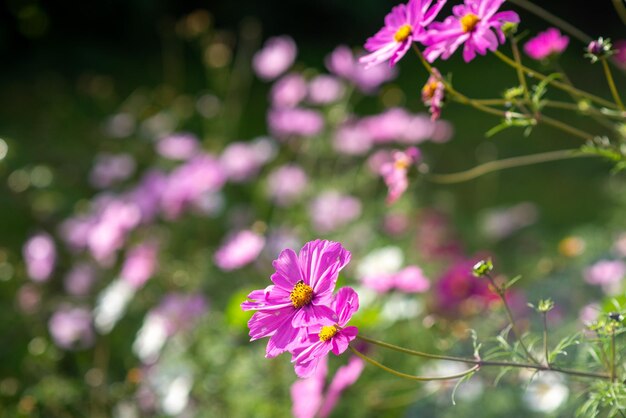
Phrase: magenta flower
(285, 123)
(289, 91)
(242, 161)
(300, 296)
(477, 24)
(403, 25)
(286, 184)
(325, 89)
(140, 264)
(239, 250)
(620, 53)
(433, 94)
(40, 257)
(307, 394)
(546, 44)
(395, 173)
(329, 335)
(275, 58)
(345, 377)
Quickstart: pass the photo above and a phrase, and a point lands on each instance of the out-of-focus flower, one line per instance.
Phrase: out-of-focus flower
(307, 394)
(411, 279)
(147, 195)
(403, 25)
(243, 160)
(328, 335)
(620, 53)
(331, 210)
(398, 125)
(572, 246)
(607, 273)
(239, 250)
(589, 313)
(120, 125)
(111, 304)
(342, 63)
(187, 184)
(476, 24)
(546, 44)
(71, 328)
(345, 377)
(352, 138)
(395, 173)
(275, 58)
(325, 89)
(289, 91)
(176, 312)
(433, 94)
(28, 298)
(467, 391)
(545, 393)
(299, 297)
(75, 231)
(285, 123)
(140, 264)
(109, 169)
(435, 236)
(80, 279)
(501, 223)
(40, 255)
(286, 184)
(381, 270)
(178, 146)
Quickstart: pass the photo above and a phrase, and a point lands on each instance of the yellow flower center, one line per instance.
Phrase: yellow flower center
(402, 33)
(301, 295)
(429, 89)
(402, 163)
(469, 22)
(327, 332)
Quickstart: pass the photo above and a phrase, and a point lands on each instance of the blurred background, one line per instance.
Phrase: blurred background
(142, 198)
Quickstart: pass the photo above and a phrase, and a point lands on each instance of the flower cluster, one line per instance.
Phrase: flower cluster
(299, 312)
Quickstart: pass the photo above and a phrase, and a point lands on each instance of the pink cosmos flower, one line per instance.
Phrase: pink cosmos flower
(545, 44)
(286, 184)
(40, 257)
(179, 146)
(80, 279)
(352, 138)
(289, 91)
(275, 58)
(345, 377)
(476, 23)
(325, 89)
(239, 250)
(433, 94)
(300, 295)
(607, 273)
(307, 394)
(243, 160)
(71, 329)
(109, 169)
(140, 264)
(331, 210)
(620, 53)
(403, 25)
(285, 123)
(342, 63)
(395, 173)
(328, 335)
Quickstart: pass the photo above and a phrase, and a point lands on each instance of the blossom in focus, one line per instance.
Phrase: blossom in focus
(395, 173)
(275, 58)
(286, 184)
(178, 146)
(343, 63)
(240, 249)
(243, 160)
(476, 24)
(325, 89)
(328, 335)
(331, 210)
(289, 91)
(433, 94)
(606, 273)
(40, 255)
(140, 264)
(403, 25)
(70, 328)
(109, 169)
(285, 123)
(546, 44)
(300, 295)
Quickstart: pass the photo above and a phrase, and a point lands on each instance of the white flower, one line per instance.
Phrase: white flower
(545, 393)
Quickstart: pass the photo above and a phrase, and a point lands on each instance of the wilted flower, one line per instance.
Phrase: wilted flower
(179, 146)
(403, 25)
(300, 295)
(39, 254)
(284, 123)
(289, 91)
(546, 44)
(433, 94)
(71, 328)
(286, 184)
(331, 210)
(240, 249)
(275, 58)
(476, 24)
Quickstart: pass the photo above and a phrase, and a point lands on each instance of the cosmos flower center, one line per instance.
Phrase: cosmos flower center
(402, 33)
(327, 332)
(402, 163)
(469, 22)
(301, 295)
(430, 88)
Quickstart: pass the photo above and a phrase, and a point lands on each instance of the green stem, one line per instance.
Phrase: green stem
(565, 127)
(621, 11)
(498, 165)
(410, 376)
(545, 338)
(520, 72)
(609, 79)
(482, 363)
(613, 374)
(555, 83)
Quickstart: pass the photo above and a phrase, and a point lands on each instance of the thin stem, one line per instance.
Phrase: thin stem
(520, 72)
(621, 11)
(613, 375)
(545, 338)
(555, 83)
(482, 363)
(498, 165)
(555, 20)
(609, 79)
(565, 127)
(410, 376)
